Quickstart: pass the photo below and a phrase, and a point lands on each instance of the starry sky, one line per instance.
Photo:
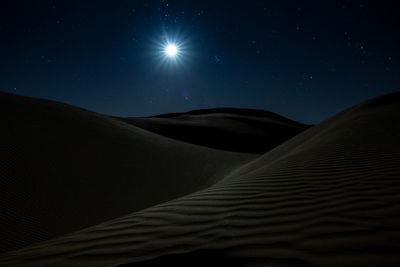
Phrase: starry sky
(305, 60)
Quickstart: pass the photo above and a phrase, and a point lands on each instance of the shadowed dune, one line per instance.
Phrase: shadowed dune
(240, 130)
(63, 169)
(330, 196)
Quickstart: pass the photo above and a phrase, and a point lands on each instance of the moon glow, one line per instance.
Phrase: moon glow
(171, 50)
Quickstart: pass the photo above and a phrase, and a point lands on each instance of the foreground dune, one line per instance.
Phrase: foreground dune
(328, 197)
(63, 168)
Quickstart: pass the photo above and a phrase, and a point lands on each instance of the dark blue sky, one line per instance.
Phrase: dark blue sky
(306, 60)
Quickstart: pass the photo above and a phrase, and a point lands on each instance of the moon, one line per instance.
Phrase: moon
(171, 50)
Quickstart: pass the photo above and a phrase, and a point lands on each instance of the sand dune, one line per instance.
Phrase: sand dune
(240, 130)
(330, 196)
(63, 169)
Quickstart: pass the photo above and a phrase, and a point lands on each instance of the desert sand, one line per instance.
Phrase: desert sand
(85, 189)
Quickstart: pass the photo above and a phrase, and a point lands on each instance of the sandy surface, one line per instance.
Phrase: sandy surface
(329, 196)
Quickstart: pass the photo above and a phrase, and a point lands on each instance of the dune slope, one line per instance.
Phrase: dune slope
(328, 197)
(240, 130)
(63, 169)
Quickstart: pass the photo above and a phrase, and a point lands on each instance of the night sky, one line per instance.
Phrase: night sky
(305, 60)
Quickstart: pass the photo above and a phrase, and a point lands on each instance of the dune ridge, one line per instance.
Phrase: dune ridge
(330, 196)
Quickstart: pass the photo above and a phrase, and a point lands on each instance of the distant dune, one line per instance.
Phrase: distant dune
(330, 196)
(240, 130)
